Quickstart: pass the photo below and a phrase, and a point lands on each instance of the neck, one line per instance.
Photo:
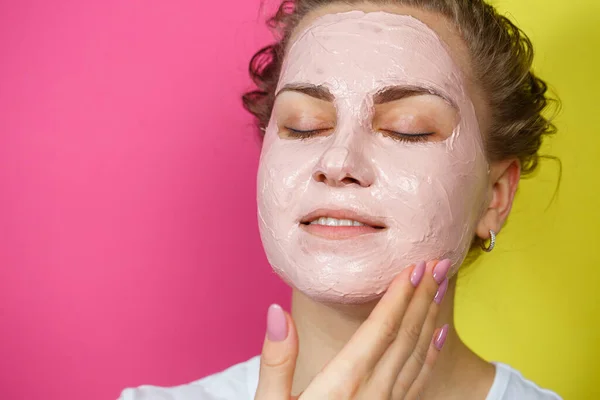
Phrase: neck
(323, 330)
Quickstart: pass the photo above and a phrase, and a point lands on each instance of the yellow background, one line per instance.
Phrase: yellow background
(534, 302)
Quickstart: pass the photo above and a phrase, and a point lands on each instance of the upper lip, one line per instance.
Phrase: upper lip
(343, 214)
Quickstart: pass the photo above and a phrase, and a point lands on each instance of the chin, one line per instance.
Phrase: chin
(344, 299)
(343, 288)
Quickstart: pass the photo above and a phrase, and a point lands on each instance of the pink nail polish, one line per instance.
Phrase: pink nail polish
(441, 270)
(440, 339)
(439, 296)
(417, 274)
(277, 329)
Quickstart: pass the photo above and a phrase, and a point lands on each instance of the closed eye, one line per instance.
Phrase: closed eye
(304, 134)
(408, 137)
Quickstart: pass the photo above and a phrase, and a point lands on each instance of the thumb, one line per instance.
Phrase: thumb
(278, 358)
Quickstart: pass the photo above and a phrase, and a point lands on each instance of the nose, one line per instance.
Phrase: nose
(342, 165)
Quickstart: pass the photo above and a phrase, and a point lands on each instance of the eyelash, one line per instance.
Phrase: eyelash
(408, 137)
(403, 137)
(305, 134)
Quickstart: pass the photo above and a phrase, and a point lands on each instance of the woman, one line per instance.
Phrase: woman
(395, 135)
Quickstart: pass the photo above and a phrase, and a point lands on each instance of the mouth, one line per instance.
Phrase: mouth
(340, 224)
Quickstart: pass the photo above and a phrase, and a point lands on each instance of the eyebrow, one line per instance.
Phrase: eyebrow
(393, 93)
(318, 92)
(385, 95)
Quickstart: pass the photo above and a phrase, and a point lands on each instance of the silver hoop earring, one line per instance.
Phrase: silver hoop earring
(492, 242)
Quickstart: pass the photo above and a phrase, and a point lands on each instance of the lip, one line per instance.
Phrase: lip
(372, 225)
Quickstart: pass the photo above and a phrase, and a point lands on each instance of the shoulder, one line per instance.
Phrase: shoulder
(510, 384)
(235, 383)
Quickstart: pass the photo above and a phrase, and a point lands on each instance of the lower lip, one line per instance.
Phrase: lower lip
(339, 232)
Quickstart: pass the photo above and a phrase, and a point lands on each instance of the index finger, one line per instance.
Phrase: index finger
(375, 335)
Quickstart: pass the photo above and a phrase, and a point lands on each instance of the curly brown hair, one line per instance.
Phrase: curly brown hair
(501, 54)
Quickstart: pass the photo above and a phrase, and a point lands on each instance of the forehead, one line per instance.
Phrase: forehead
(356, 53)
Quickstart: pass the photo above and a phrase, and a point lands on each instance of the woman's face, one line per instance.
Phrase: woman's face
(373, 158)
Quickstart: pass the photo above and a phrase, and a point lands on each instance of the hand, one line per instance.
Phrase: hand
(390, 356)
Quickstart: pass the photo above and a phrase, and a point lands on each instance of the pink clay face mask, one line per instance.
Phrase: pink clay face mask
(417, 200)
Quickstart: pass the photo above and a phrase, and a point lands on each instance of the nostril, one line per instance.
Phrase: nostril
(349, 180)
(320, 177)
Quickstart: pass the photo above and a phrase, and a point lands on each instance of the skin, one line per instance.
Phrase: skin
(324, 330)
(371, 123)
(390, 355)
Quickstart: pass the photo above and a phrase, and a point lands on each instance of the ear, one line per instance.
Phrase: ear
(504, 180)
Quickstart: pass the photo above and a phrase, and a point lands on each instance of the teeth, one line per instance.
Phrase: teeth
(336, 222)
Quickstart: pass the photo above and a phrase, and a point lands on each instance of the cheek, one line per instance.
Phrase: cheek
(430, 188)
(285, 170)
(271, 182)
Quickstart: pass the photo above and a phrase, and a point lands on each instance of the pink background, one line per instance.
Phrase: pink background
(129, 248)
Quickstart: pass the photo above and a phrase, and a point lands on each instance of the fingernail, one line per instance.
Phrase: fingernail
(440, 339)
(439, 296)
(276, 324)
(417, 274)
(441, 270)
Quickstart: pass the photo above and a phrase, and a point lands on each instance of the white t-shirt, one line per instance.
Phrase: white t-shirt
(239, 382)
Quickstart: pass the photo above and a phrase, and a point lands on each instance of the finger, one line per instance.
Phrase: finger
(435, 346)
(357, 359)
(416, 362)
(405, 357)
(278, 358)
(411, 369)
